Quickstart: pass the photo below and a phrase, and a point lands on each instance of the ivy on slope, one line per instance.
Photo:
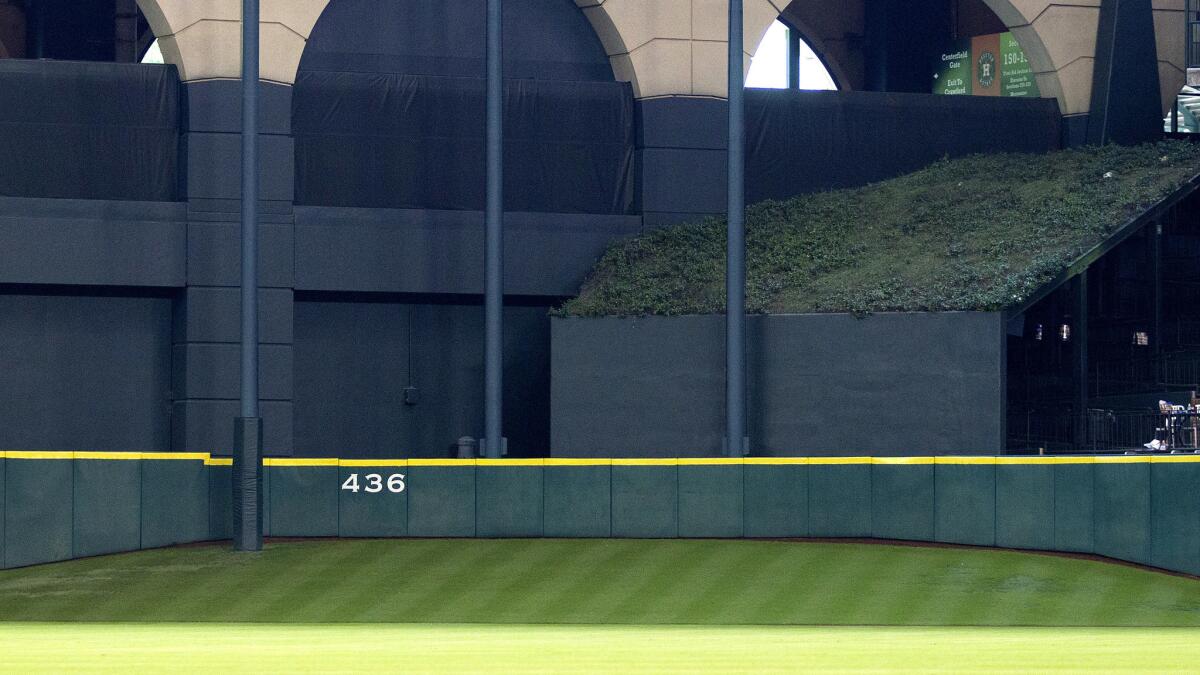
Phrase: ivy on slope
(977, 233)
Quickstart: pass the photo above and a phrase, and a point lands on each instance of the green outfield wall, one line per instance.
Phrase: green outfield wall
(61, 505)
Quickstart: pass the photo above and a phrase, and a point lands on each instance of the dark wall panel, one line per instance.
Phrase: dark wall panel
(578, 501)
(839, 500)
(175, 506)
(508, 501)
(441, 501)
(801, 141)
(776, 500)
(85, 372)
(645, 501)
(654, 386)
(902, 501)
(304, 501)
(107, 506)
(965, 504)
(710, 501)
(1175, 516)
(74, 130)
(37, 512)
(354, 361)
(1074, 508)
(372, 514)
(1025, 506)
(1122, 511)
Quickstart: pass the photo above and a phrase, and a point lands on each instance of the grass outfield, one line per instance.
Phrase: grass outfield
(595, 604)
(26, 648)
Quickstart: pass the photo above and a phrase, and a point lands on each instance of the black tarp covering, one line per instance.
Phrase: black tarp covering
(543, 39)
(76, 130)
(800, 141)
(415, 141)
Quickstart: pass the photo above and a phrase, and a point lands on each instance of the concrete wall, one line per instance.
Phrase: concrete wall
(819, 384)
(1144, 510)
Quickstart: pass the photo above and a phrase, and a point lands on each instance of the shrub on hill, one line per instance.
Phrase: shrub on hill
(977, 233)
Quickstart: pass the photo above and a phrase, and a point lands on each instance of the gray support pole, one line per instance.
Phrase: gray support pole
(247, 453)
(735, 275)
(493, 443)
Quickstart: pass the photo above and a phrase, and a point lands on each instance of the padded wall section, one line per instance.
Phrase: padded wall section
(38, 503)
(304, 500)
(441, 500)
(1122, 510)
(839, 500)
(931, 381)
(645, 501)
(577, 501)
(965, 504)
(902, 501)
(76, 130)
(107, 507)
(710, 501)
(775, 500)
(355, 357)
(175, 508)
(85, 372)
(543, 39)
(508, 500)
(414, 141)
(370, 513)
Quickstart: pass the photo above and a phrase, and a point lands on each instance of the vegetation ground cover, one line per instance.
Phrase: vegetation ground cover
(976, 233)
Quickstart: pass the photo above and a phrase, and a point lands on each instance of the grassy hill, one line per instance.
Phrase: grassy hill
(978, 233)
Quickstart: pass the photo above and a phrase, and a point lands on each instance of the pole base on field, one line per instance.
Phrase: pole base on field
(247, 484)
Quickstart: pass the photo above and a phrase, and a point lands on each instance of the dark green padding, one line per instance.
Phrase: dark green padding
(710, 501)
(1175, 516)
(965, 504)
(266, 502)
(373, 514)
(1074, 522)
(578, 501)
(441, 501)
(108, 506)
(902, 501)
(1123, 511)
(304, 501)
(508, 501)
(776, 500)
(645, 501)
(220, 502)
(174, 502)
(37, 513)
(839, 500)
(1025, 506)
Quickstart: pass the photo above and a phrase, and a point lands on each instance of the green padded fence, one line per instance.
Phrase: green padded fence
(60, 505)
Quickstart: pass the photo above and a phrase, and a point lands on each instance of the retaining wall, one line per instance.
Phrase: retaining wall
(61, 505)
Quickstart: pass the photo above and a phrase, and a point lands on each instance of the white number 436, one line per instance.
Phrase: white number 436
(374, 482)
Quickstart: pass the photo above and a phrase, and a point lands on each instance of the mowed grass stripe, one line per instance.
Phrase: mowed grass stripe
(124, 648)
(599, 581)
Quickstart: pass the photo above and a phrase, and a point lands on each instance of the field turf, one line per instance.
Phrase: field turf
(602, 604)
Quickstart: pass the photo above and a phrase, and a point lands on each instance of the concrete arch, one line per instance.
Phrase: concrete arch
(678, 47)
(203, 38)
(829, 58)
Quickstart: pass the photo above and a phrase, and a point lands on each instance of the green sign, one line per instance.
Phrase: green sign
(985, 65)
(954, 70)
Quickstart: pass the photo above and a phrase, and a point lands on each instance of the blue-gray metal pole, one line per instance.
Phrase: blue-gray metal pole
(247, 455)
(494, 248)
(735, 275)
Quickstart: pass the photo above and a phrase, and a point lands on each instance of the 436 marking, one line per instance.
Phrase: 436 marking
(375, 483)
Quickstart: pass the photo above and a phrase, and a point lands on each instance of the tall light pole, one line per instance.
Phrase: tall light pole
(735, 257)
(247, 453)
(493, 386)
